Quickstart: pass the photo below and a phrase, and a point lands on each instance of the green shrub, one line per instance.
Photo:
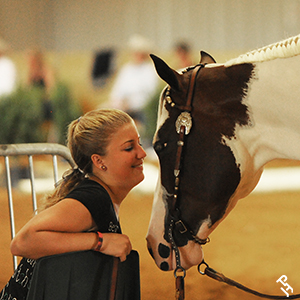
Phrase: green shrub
(65, 110)
(22, 118)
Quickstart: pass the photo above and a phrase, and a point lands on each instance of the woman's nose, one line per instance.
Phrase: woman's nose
(142, 153)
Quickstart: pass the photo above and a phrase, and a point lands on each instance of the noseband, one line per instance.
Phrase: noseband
(183, 126)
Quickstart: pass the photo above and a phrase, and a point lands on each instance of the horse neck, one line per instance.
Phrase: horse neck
(273, 100)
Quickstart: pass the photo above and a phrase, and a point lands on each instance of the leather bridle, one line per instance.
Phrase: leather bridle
(183, 126)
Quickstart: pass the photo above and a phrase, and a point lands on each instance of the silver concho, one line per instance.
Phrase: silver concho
(184, 119)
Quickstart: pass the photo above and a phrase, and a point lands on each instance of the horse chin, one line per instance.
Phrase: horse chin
(190, 255)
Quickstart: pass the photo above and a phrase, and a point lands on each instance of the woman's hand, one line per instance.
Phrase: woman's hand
(116, 244)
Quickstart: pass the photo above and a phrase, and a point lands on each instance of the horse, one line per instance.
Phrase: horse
(217, 127)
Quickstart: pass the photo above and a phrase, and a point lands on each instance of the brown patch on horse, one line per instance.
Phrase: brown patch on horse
(220, 92)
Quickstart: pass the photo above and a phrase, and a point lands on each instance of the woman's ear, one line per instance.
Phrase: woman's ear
(97, 160)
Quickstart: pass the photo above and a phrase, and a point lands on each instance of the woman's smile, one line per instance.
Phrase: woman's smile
(139, 166)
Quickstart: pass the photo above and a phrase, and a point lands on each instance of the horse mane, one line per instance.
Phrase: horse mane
(286, 48)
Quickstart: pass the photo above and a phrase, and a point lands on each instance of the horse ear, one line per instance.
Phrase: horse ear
(167, 74)
(206, 58)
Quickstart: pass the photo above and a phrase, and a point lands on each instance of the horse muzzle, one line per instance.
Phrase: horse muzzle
(164, 256)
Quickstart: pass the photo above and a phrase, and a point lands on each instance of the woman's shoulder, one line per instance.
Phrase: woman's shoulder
(96, 199)
(90, 193)
(91, 186)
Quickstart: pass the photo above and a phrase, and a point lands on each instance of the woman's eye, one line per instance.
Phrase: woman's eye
(128, 149)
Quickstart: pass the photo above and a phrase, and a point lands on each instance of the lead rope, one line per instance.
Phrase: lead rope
(179, 279)
(222, 278)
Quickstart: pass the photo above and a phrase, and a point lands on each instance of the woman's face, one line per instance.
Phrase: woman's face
(124, 158)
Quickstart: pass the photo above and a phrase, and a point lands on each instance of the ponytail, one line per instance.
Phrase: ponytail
(70, 179)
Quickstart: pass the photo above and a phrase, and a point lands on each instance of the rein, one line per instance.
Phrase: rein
(183, 126)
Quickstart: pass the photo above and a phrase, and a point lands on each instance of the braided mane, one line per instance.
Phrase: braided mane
(286, 48)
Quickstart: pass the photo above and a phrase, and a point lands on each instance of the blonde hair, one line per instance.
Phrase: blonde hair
(88, 135)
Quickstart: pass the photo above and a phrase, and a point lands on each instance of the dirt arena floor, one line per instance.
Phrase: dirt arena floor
(257, 243)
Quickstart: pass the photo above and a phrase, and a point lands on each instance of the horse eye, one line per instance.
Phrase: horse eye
(159, 146)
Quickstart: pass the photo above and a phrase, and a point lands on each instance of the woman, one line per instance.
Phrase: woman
(106, 147)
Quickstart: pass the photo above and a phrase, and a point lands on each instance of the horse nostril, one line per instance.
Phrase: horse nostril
(164, 266)
(164, 251)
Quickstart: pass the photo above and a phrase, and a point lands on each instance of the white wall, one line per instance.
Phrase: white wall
(89, 24)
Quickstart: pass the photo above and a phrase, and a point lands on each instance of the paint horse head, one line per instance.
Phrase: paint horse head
(218, 125)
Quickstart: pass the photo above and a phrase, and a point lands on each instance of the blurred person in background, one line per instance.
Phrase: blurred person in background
(183, 55)
(41, 76)
(136, 83)
(8, 73)
(39, 73)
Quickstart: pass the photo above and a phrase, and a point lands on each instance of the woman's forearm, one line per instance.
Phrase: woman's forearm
(44, 243)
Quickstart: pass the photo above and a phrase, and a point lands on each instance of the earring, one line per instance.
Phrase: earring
(104, 168)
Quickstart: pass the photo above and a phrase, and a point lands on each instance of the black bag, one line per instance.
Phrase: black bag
(85, 275)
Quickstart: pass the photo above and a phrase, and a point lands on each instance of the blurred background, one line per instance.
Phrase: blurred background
(70, 34)
(66, 58)
(83, 44)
